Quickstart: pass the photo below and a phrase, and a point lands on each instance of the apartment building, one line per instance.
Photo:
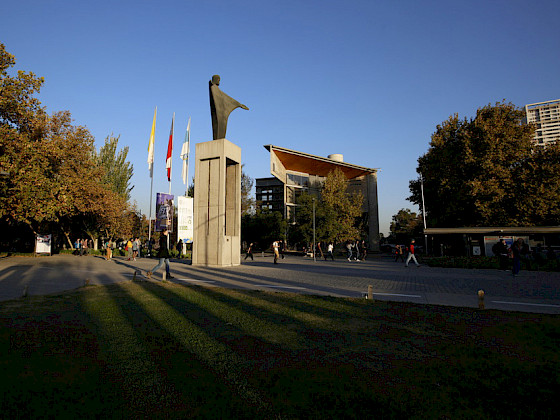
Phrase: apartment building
(546, 117)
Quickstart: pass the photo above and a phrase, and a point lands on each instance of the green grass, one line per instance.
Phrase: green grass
(152, 350)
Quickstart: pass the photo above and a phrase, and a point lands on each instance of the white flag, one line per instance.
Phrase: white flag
(185, 152)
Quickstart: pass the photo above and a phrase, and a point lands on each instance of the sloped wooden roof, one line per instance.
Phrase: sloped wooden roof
(316, 165)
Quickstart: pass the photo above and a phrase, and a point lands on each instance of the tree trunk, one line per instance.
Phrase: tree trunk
(67, 235)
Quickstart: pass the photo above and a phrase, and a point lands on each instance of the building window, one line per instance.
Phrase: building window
(300, 180)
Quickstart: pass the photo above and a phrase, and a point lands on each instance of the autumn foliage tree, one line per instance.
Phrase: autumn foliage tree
(337, 212)
(487, 172)
(52, 180)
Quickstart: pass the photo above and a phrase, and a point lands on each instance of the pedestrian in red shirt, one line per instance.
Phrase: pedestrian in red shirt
(411, 255)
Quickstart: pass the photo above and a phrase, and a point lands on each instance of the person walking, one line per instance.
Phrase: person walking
(515, 253)
(250, 252)
(363, 250)
(109, 249)
(275, 247)
(500, 249)
(349, 250)
(329, 253)
(135, 245)
(411, 255)
(128, 249)
(84, 248)
(163, 255)
(180, 247)
(356, 247)
(399, 253)
(281, 246)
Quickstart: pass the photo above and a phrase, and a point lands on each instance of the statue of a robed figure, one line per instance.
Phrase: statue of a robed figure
(217, 197)
(221, 106)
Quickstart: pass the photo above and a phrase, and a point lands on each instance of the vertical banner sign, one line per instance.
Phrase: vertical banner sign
(164, 212)
(43, 244)
(185, 229)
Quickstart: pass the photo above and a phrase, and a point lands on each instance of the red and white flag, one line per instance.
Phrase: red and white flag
(170, 150)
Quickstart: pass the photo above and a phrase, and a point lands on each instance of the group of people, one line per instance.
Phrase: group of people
(133, 248)
(410, 253)
(518, 252)
(356, 250)
(81, 246)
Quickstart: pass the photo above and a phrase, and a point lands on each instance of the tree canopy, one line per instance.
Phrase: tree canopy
(247, 202)
(486, 171)
(117, 170)
(52, 177)
(337, 212)
(405, 225)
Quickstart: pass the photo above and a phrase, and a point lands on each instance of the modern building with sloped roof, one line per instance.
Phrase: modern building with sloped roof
(295, 172)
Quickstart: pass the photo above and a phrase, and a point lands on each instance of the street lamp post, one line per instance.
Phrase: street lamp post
(424, 213)
(314, 229)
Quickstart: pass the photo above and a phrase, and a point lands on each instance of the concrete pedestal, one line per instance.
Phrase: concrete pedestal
(217, 204)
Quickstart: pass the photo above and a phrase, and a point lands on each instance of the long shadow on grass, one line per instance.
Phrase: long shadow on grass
(181, 342)
(132, 374)
(293, 338)
(308, 378)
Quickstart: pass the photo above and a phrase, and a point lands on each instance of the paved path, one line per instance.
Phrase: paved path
(531, 291)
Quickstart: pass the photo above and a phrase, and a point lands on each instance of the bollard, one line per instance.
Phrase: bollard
(164, 276)
(481, 299)
(370, 292)
(25, 289)
(134, 277)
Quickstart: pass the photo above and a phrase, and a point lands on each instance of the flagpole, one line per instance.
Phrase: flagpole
(151, 194)
(151, 167)
(188, 141)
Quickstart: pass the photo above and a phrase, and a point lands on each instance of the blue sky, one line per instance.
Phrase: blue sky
(368, 79)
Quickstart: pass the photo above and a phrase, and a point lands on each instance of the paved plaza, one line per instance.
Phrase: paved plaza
(531, 291)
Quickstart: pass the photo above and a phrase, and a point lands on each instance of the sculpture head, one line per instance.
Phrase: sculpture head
(216, 80)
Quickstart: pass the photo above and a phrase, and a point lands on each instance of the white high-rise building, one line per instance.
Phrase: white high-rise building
(546, 117)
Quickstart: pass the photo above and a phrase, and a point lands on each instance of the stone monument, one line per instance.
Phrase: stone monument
(217, 191)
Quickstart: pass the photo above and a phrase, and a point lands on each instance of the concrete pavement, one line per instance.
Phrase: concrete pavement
(530, 292)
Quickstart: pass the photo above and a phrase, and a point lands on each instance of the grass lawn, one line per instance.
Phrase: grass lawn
(149, 350)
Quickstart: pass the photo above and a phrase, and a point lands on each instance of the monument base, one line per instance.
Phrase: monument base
(217, 204)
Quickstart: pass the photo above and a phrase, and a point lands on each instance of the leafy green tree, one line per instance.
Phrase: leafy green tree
(262, 228)
(247, 202)
(487, 172)
(117, 170)
(190, 190)
(342, 209)
(405, 225)
(302, 231)
(337, 213)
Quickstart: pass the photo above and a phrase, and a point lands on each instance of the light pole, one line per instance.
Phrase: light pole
(424, 213)
(314, 230)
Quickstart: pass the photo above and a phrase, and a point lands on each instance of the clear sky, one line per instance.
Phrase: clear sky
(368, 79)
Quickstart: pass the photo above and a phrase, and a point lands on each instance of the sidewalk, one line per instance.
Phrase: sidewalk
(531, 292)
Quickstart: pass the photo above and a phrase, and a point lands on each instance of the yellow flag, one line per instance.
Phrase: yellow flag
(151, 146)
